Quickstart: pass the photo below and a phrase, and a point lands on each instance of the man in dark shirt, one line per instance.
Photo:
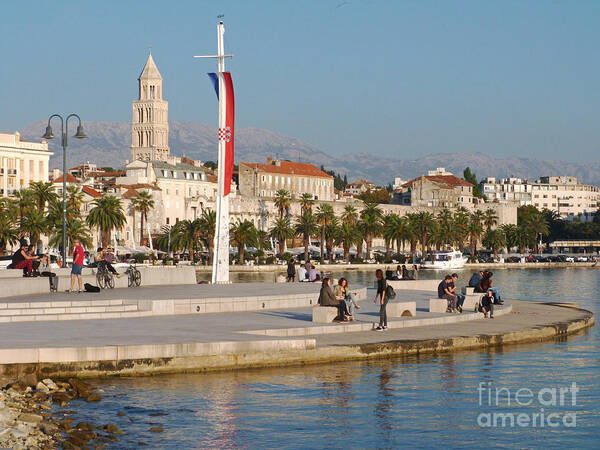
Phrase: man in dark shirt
(444, 291)
(476, 280)
(22, 260)
(460, 298)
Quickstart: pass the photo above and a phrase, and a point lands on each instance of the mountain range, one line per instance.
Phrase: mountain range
(108, 145)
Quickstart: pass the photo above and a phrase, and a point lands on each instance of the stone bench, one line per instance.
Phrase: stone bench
(470, 302)
(324, 314)
(438, 305)
(468, 290)
(401, 309)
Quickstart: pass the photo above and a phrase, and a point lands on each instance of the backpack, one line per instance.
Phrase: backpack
(89, 288)
(390, 293)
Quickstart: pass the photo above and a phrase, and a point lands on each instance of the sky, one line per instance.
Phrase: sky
(399, 78)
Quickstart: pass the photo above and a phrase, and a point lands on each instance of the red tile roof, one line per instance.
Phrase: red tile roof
(70, 179)
(91, 191)
(289, 168)
(130, 193)
(116, 173)
(449, 180)
(139, 186)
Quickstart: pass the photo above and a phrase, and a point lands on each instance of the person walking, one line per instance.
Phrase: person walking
(381, 294)
(78, 255)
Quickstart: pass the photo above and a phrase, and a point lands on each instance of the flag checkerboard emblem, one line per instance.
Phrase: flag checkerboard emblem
(225, 134)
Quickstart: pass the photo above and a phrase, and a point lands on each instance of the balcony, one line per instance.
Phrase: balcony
(12, 171)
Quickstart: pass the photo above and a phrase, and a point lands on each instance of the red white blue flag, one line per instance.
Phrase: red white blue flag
(227, 133)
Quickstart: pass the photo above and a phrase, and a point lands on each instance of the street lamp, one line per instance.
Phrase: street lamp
(64, 130)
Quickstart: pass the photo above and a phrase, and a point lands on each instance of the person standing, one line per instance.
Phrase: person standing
(381, 294)
(291, 271)
(78, 255)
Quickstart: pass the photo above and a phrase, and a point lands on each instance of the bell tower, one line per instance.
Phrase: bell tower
(150, 121)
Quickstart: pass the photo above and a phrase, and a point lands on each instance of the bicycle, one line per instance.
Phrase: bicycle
(104, 278)
(134, 277)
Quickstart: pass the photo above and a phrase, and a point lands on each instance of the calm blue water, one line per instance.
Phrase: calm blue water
(425, 402)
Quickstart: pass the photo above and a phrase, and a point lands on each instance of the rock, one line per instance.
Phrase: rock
(83, 435)
(111, 428)
(41, 387)
(31, 418)
(93, 397)
(120, 413)
(29, 379)
(17, 387)
(85, 426)
(68, 445)
(82, 388)
(50, 384)
(65, 424)
(157, 429)
(61, 397)
(62, 384)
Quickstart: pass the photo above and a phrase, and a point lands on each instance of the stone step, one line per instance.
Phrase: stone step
(66, 310)
(60, 304)
(75, 316)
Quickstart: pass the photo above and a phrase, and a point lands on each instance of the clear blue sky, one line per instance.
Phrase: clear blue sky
(405, 78)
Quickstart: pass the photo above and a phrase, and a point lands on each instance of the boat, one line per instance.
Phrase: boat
(445, 259)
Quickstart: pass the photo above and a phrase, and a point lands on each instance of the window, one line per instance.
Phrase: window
(167, 221)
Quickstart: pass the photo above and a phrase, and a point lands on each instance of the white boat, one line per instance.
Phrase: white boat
(445, 259)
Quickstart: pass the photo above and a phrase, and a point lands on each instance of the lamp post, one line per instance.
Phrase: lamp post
(64, 130)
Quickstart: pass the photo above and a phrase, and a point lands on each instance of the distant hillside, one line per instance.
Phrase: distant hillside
(108, 145)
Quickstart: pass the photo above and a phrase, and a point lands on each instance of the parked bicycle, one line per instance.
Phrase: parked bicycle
(104, 278)
(134, 277)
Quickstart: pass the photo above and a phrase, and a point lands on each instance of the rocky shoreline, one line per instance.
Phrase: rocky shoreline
(28, 418)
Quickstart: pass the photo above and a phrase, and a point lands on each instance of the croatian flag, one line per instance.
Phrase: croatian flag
(226, 134)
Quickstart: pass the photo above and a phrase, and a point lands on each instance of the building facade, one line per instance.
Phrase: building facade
(358, 187)
(264, 180)
(21, 163)
(435, 190)
(511, 190)
(150, 117)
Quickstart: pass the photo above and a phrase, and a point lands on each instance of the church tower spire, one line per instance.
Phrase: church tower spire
(150, 121)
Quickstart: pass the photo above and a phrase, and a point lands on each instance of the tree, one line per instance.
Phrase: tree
(324, 217)
(494, 240)
(472, 178)
(9, 235)
(306, 202)
(461, 227)
(423, 223)
(163, 240)
(281, 231)
(143, 203)
(242, 233)
(42, 193)
(510, 235)
(371, 218)
(24, 200)
(490, 218)
(534, 225)
(76, 229)
(348, 235)
(475, 229)
(390, 223)
(378, 196)
(211, 165)
(34, 224)
(350, 215)
(107, 215)
(282, 202)
(8, 206)
(207, 224)
(185, 235)
(74, 201)
(412, 233)
(306, 226)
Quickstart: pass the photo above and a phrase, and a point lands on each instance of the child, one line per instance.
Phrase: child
(486, 304)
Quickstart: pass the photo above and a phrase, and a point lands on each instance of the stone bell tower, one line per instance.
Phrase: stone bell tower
(150, 125)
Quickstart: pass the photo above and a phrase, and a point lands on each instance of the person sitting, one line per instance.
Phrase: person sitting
(445, 293)
(389, 274)
(415, 272)
(460, 298)
(487, 284)
(327, 298)
(406, 274)
(486, 304)
(342, 292)
(475, 280)
(302, 273)
(35, 263)
(398, 272)
(21, 259)
(313, 275)
(109, 258)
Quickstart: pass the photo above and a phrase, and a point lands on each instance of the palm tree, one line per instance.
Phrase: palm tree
(510, 233)
(371, 217)
(331, 231)
(163, 240)
(281, 231)
(9, 207)
(306, 202)
(242, 233)
(143, 203)
(494, 240)
(350, 215)
(446, 231)
(24, 200)
(475, 229)
(262, 240)
(490, 218)
(324, 217)
(536, 224)
(306, 226)
(186, 235)
(348, 235)
(412, 233)
(208, 223)
(9, 234)
(423, 223)
(390, 225)
(283, 202)
(107, 215)
(76, 229)
(34, 224)
(42, 193)
(461, 227)
(74, 201)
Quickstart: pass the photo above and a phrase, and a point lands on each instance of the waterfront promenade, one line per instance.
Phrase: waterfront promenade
(280, 333)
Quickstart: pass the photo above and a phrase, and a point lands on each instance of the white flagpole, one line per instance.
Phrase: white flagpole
(220, 269)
